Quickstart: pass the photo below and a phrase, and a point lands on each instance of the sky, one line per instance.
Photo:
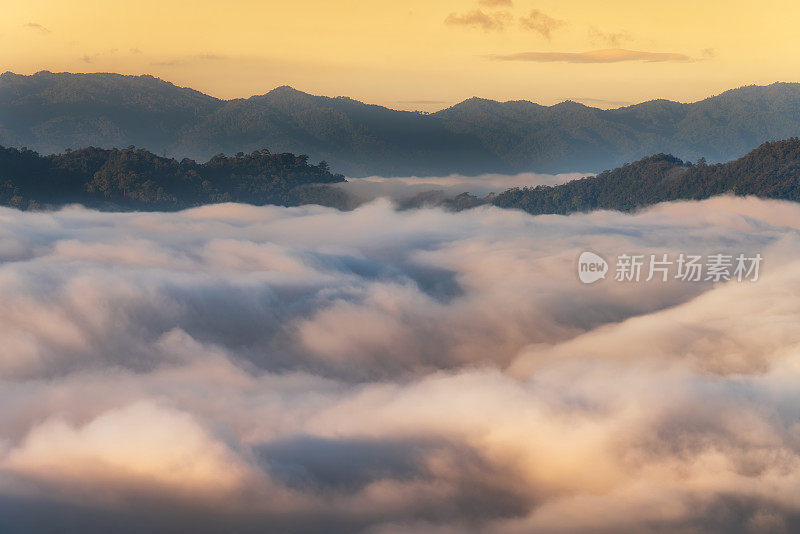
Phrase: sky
(417, 54)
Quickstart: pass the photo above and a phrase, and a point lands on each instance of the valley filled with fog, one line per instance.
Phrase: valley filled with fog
(242, 368)
(421, 188)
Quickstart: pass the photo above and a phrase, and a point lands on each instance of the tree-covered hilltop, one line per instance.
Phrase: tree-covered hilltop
(134, 178)
(137, 179)
(770, 171)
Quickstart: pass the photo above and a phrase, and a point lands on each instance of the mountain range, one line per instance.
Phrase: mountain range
(49, 112)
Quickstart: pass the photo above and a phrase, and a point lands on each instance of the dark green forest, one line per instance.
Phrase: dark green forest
(770, 171)
(134, 178)
(131, 178)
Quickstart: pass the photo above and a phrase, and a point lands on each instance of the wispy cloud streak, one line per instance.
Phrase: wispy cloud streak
(612, 55)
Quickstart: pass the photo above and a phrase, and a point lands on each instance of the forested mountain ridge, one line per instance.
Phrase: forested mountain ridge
(49, 112)
(137, 179)
(770, 171)
(358, 139)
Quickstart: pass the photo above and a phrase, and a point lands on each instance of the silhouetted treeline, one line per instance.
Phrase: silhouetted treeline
(770, 171)
(137, 179)
(133, 178)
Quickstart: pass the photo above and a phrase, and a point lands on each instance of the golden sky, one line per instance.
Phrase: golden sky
(417, 54)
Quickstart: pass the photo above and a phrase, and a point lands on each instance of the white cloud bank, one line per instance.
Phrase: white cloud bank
(408, 187)
(269, 369)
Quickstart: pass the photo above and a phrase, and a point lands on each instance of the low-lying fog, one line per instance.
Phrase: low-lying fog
(405, 188)
(234, 368)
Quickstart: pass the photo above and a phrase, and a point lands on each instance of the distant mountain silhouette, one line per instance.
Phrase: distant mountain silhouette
(49, 112)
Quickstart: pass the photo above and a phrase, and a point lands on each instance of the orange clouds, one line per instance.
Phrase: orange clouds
(535, 20)
(479, 19)
(541, 23)
(613, 55)
(36, 26)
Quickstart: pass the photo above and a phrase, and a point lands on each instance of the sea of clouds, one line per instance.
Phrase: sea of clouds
(234, 368)
(401, 189)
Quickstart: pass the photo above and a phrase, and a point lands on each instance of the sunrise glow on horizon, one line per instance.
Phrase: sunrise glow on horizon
(417, 54)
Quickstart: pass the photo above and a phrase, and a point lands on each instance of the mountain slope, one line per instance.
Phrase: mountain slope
(570, 136)
(137, 179)
(49, 112)
(358, 138)
(770, 171)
